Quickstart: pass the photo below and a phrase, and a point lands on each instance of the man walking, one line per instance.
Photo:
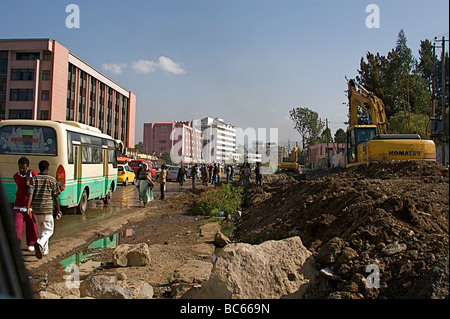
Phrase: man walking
(162, 181)
(22, 179)
(42, 191)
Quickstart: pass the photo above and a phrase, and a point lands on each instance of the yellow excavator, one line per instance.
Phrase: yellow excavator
(368, 143)
(290, 163)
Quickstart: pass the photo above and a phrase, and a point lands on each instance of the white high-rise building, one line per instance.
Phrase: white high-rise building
(219, 140)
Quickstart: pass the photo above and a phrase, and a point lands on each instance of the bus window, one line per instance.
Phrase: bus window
(23, 139)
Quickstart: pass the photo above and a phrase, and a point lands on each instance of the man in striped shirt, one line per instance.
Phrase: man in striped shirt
(42, 191)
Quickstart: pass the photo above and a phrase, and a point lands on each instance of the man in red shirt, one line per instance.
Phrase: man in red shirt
(22, 179)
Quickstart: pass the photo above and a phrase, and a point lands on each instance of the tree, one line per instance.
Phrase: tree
(340, 136)
(418, 124)
(307, 123)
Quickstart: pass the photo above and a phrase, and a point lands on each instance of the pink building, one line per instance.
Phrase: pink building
(319, 154)
(160, 137)
(40, 79)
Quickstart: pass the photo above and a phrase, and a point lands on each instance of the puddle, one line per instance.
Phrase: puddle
(83, 259)
(227, 227)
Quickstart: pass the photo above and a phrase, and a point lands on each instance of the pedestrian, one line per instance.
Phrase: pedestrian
(219, 172)
(181, 177)
(242, 173)
(42, 192)
(194, 173)
(205, 175)
(22, 179)
(231, 172)
(210, 172)
(214, 177)
(162, 181)
(247, 173)
(258, 175)
(228, 172)
(145, 184)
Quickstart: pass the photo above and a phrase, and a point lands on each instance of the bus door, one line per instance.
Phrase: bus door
(77, 169)
(105, 169)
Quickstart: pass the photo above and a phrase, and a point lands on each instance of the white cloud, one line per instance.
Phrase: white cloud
(144, 66)
(168, 65)
(114, 68)
(164, 64)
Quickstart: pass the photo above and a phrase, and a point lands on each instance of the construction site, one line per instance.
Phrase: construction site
(393, 214)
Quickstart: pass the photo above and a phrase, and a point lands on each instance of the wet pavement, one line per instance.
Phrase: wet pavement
(74, 231)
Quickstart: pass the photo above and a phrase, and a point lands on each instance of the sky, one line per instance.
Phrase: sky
(248, 62)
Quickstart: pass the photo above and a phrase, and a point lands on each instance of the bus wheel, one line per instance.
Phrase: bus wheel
(82, 206)
(108, 197)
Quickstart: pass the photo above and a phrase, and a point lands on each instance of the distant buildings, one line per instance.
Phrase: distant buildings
(41, 80)
(161, 137)
(209, 140)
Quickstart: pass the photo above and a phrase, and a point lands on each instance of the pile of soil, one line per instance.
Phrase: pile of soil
(392, 214)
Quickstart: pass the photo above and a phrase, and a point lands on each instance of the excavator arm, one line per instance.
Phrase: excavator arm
(359, 96)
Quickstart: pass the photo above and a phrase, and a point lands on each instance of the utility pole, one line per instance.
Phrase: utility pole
(443, 101)
(328, 153)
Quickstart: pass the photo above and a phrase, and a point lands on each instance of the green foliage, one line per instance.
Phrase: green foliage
(226, 199)
(407, 123)
(400, 80)
(307, 123)
(340, 136)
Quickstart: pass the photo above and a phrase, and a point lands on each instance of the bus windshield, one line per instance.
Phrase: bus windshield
(24, 139)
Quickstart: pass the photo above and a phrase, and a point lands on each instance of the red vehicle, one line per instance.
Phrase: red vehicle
(136, 164)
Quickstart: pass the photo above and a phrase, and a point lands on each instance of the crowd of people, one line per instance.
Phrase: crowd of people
(37, 194)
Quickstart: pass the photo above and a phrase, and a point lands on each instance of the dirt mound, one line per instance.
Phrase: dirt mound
(393, 214)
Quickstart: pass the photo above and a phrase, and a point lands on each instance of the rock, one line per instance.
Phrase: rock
(103, 287)
(139, 289)
(328, 273)
(62, 289)
(220, 240)
(328, 253)
(193, 271)
(393, 248)
(269, 270)
(347, 255)
(131, 255)
(48, 295)
(208, 232)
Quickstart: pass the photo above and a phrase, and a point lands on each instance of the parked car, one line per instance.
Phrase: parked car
(125, 174)
(172, 173)
(136, 164)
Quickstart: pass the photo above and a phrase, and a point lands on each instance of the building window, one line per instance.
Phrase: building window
(27, 56)
(47, 56)
(22, 74)
(19, 114)
(45, 95)
(44, 115)
(46, 75)
(21, 95)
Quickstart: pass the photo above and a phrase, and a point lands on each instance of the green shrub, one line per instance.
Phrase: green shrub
(226, 199)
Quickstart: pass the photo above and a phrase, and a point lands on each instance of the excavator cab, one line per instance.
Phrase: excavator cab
(355, 136)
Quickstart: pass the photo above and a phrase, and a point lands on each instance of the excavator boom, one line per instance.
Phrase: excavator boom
(360, 96)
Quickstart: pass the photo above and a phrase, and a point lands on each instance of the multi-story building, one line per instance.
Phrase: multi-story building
(219, 140)
(41, 80)
(160, 137)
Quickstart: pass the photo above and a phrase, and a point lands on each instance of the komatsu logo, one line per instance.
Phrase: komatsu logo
(404, 153)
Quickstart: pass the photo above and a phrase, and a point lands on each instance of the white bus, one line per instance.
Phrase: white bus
(82, 159)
